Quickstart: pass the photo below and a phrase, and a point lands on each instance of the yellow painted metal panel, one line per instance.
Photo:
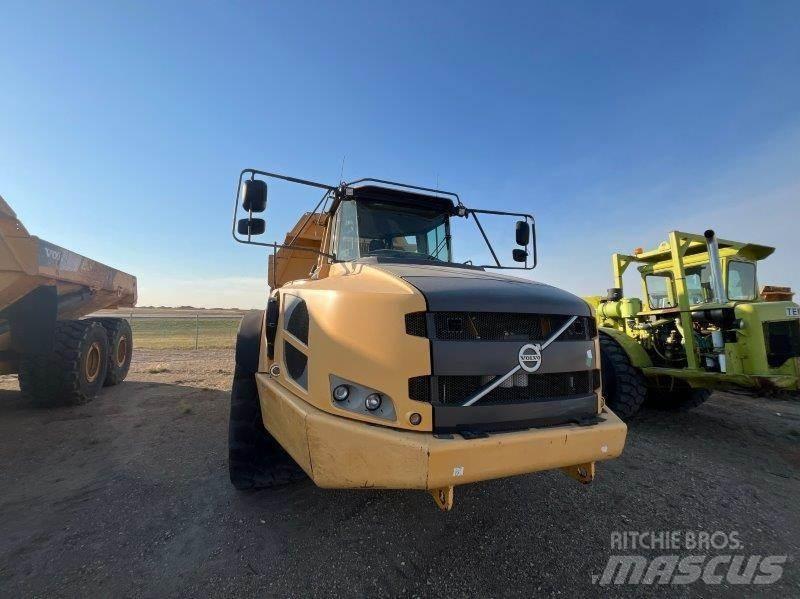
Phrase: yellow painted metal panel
(345, 453)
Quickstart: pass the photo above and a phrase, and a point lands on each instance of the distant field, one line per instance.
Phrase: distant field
(184, 333)
(172, 328)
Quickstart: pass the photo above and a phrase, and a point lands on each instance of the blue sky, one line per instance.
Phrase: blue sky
(123, 126)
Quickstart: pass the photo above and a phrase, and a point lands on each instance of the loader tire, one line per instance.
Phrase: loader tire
(74, 372)
(120, 349)
(255, 459)
(624, 389)
(681, 398)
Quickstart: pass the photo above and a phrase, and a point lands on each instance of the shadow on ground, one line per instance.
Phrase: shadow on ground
(128, 495)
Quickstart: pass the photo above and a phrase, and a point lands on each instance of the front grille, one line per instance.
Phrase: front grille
(783, 341)
(419, 388)
(415, 324)
(519, 388)
(506, 326)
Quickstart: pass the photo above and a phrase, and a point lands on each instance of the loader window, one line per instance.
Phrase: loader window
(371, 228)
(659, 291)
(741, 280)
(698, 285)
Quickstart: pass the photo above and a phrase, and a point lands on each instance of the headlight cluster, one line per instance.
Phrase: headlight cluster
(358, 398)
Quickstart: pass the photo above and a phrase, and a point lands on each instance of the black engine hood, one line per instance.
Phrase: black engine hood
(453, 289)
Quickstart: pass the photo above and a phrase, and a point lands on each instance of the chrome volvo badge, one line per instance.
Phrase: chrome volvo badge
(530, 357)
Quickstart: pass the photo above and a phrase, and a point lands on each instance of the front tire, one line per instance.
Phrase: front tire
(255, 459)
(624, 389)
(74, 372)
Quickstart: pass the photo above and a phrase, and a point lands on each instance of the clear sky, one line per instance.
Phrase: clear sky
(123, 125)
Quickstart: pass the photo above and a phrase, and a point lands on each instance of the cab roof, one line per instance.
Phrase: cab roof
(398, 196)
(697, 245)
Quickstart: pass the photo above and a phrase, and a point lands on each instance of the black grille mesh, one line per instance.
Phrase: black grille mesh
(415, 324)
(296, 361)
(526, 387)
(298, 322)
(783, 341)
(419, 388)
(456, 389)
(505, 326)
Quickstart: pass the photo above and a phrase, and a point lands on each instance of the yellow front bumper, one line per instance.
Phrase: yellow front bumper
(338, 452)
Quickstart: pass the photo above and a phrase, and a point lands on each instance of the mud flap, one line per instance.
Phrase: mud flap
(32, 320)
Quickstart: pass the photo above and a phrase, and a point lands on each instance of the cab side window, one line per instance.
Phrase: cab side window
(741, 280)
(659, 291)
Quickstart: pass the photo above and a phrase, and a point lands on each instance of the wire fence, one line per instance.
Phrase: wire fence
(185, 331)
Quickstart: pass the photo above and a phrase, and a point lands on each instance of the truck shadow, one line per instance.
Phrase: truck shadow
(138, 479)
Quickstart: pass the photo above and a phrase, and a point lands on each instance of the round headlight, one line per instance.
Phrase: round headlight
(341, 393)
(372, 402)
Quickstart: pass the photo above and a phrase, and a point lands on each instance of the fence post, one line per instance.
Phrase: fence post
(196, 329)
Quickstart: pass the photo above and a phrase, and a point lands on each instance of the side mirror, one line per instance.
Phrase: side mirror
(254, 193)
(523, 234)
(520, 255)
(253, 226)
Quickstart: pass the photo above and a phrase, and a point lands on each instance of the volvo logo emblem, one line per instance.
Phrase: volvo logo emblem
(530, 357)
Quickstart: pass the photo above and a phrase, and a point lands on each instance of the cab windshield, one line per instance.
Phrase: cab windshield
(370, 228)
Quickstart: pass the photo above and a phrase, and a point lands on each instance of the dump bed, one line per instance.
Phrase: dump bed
(29, 264)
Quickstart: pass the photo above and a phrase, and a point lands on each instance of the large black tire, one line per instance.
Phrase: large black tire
(681, 397)
(624, 388)
(255, 459)
(120, 349)
(74, 372)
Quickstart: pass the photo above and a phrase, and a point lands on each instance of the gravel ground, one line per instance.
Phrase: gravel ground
(128, 496)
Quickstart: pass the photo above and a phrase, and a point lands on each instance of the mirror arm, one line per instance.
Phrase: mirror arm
(254, 172)
(486, 239)
(528, 218)
(276, 246)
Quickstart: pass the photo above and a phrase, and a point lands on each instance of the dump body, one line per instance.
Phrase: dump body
(41, 283)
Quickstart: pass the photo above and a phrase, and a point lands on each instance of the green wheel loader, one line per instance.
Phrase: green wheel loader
(700, 326)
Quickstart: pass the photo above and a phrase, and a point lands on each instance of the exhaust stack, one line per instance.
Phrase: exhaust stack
(716, 267)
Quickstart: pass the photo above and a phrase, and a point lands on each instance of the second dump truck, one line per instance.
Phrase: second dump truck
(381, 362)
(60, 357)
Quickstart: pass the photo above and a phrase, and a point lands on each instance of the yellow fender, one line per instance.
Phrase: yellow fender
(637, 354)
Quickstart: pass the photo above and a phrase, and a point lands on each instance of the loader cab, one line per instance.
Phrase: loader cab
(739, 278)
(389, 225)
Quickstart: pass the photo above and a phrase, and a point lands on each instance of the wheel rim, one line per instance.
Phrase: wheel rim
(122, 351)
(93, 364)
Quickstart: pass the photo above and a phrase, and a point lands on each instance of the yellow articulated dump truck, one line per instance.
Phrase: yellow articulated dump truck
(381, 362)
(60, 358)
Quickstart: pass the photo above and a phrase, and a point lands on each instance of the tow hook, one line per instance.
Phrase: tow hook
(443, 498)
(583, 473)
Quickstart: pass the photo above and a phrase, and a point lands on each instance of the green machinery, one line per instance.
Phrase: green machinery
(702, 326)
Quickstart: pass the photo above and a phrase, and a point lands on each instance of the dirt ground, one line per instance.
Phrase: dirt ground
(128, 496)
